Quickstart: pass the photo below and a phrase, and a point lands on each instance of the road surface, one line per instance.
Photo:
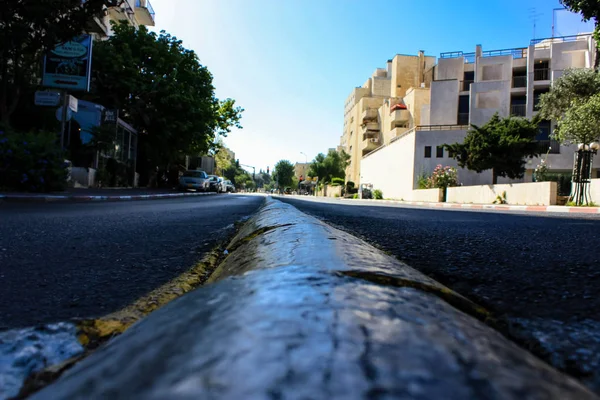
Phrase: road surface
(83, 260)
(540, 273)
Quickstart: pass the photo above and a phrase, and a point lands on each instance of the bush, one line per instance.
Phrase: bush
(443, 177)
(337, 182)
(32, 161)
(350, 185)
(355, 196)
(377, 194)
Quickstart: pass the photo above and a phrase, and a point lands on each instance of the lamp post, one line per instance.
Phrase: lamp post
(582, 172)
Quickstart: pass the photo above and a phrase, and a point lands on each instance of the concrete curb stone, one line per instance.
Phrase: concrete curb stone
(79, 198)
(469, 206)
(302, 310)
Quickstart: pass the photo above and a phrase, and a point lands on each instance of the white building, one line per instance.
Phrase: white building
(469, 88)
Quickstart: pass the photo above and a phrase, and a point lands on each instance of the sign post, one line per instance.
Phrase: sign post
(68, 67)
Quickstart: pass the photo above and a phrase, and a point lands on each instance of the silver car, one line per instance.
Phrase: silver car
(194, 179)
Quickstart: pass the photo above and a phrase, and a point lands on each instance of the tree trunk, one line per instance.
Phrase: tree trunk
(494, 177)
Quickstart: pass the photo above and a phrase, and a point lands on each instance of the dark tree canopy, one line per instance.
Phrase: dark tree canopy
(283, 173)
(327, 167)
(29, 28)
(161, 88)
(502, 145)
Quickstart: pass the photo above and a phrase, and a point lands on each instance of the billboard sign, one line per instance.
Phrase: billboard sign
(69, 65)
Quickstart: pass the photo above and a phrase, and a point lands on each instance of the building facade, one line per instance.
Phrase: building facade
(301, 170)
(469, 88)
(379, 110)
(134, 12)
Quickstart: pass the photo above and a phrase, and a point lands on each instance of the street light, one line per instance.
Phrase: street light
(305, 157)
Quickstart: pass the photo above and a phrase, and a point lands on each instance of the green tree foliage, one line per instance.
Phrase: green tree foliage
(283, 173)
(572, 102)
(581, 123)
(28, 28)
(327, 167)
(161, 88)
(500, 145)
(31, 161)
(590, 10)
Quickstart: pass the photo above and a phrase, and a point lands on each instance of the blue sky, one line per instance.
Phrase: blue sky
(292, 63)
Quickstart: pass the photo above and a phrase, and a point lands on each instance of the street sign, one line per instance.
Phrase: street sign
(68, 65)
(110, 116)
(73, 103)
(50, 99)
(59, 114)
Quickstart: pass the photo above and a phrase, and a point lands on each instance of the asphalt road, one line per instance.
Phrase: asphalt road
(81, 260)
(540, 273)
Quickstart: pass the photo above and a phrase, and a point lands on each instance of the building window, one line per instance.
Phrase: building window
(541, 71)
(439, 151)
(427, 151)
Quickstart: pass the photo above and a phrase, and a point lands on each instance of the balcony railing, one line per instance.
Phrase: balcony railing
(518, 110)
(147, 13)
(545, 42)
(369, 115)
(545, 145)
(463, 119)
(469, 57)
(465, 85)
(541, 74)
(515, 53)
(519, 81)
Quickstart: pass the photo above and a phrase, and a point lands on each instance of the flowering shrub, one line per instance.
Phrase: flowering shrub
(442, 177)
(31, 162)
(541, 170)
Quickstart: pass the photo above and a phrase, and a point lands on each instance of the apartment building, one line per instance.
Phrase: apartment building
(134, 12)
(469, 88)
(390, 102)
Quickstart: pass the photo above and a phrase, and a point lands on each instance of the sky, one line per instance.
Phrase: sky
(291, 64)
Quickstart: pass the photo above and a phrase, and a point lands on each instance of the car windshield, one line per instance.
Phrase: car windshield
(193, 174)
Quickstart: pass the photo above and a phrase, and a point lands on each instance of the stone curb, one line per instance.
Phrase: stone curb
(465, 206)
(67, 198)
(299, 309)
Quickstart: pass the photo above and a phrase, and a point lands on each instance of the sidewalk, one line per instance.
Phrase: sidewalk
(463, 206)
(107, 194)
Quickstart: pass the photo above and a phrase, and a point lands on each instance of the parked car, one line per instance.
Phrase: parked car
(214, 183)
(228, 187)
(194, 179)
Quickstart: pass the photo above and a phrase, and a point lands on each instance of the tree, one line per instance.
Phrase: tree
(160, 88)
(500, 145)
(568, 94)
(589, 9)
(29, 28)
(222, 159)
(283, 173)
(333, 165)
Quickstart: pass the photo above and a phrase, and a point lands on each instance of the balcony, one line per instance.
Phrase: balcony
(370, 127)
(399, 116)
(465, 85)
(541, 74)
(369, 115)
(519, 81)
(144, 12)
(518, 110)
(369, 145)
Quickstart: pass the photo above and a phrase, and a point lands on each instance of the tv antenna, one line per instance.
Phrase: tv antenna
(534, 16)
